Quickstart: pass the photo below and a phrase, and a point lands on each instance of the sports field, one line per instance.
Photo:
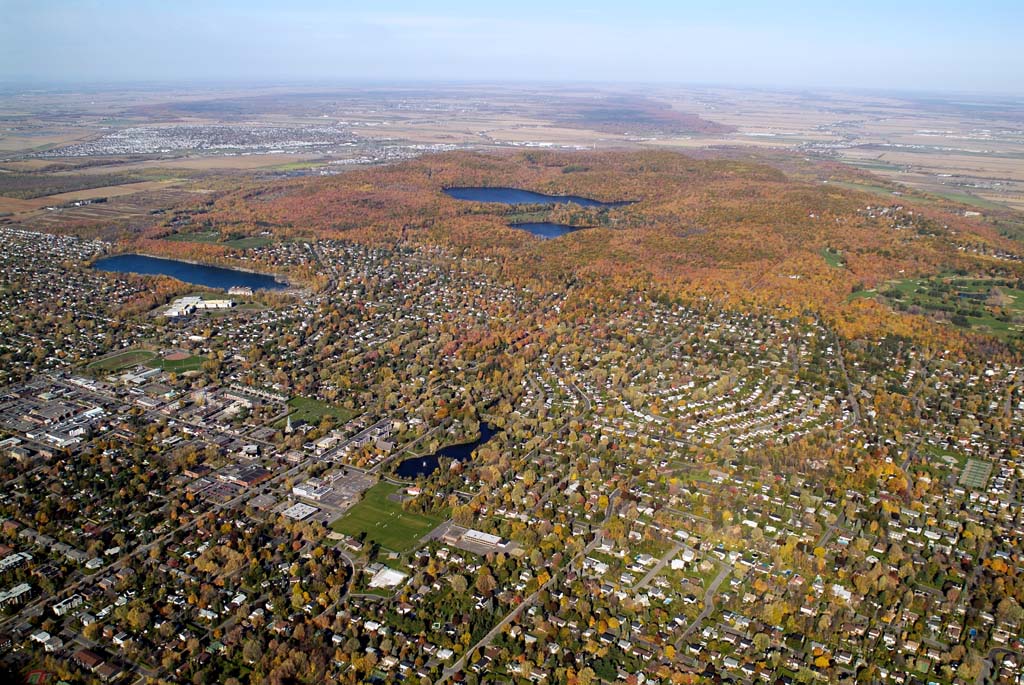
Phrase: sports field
(383, 520)
(121, 360)
(179, 365)
(976, 474)
(313, 411)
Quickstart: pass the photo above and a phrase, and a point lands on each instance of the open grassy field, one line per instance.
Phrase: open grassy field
(251, 241)
(383, 521)
(197, 237)
(121, 360)
(881, 191)
(192, 363)
(213, 237)
(968, 199)
(945, 455)
(313, 411)
(833, 258)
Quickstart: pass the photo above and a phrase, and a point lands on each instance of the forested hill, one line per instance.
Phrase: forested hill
(740, 230)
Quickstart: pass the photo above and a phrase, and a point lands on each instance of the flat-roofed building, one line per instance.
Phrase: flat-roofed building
(16, 595)
(481, 538)
(299, 511)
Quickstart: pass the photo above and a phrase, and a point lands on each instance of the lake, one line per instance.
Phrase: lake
(516, 196)
(546, 229)
(416, 467)
(196, 274)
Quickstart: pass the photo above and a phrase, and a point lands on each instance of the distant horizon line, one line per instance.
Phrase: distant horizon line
(354, 82)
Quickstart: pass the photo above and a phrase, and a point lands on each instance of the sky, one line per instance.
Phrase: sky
(914, 45)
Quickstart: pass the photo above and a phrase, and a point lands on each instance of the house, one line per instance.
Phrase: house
(87, 659)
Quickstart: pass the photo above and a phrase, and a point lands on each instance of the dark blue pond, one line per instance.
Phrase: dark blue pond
(424, 466)
(515, 196)
(197, 274)
(546, 229)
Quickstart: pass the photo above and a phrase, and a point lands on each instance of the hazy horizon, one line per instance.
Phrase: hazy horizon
(919, 47)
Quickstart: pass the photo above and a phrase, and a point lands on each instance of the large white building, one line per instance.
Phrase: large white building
(64, 606)
(299, 512)
(314, 489)
(184, 306)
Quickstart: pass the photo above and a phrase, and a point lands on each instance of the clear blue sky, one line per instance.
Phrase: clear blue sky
(936, 45)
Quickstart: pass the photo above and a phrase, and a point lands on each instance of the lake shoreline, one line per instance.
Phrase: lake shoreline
(280, 283)
(518, 196)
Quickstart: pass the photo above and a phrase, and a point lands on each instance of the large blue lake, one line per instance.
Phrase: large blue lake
(546, 229)
(516, 196)
(424, 466)
(197, 274)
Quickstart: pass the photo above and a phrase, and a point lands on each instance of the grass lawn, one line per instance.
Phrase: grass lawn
(192, 363)
(942, 454)
(213, 237)
(865, 187)
(833, 258)
(298, 166)
(197, 237)
(968, 199)
(312, 411)
(253, 241)
(383, 520)
(121, 360)
(953, 296)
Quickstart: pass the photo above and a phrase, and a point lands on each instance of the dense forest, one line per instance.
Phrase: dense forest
(741, 232)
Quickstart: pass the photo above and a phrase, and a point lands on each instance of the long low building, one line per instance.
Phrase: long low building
(16, 595)
(15, 560)
(480, 538)
(314, 489)
(184, 306)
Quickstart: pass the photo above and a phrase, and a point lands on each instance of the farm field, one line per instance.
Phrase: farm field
(27, 205)
(383, 521)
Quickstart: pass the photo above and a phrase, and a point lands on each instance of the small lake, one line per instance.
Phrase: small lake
(416, 467)
(516, 196)
(196, 274)
(546, 229)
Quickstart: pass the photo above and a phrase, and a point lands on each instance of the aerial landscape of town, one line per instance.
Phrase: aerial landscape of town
(450, 380)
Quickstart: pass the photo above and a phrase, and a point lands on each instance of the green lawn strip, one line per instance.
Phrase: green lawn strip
(865, 188)
(192, 363)
(833, 258)
(250, 242)
(197, 237)
(214, 238)
(967, 199)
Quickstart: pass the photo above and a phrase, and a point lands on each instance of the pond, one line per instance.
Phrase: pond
(546, 229)
(416, 467)
(196, 274)
(517, 196)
